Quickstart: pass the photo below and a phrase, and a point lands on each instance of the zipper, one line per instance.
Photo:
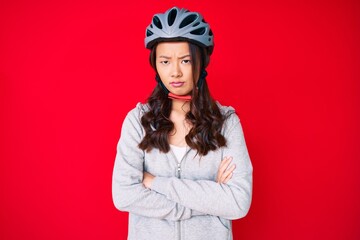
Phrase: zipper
(178, 164)
(178, 175)
(178, 170)
(179, 230)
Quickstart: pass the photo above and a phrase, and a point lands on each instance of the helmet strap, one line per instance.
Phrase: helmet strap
(186, 98)
(158, 80)
(201, 78)
(181, 97)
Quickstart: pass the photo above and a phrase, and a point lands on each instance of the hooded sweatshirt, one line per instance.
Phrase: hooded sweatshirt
(185, 202)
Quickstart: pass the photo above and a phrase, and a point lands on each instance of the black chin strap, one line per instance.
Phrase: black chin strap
(201, 79)
(157, 78)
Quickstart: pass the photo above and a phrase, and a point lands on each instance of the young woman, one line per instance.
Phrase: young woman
(182, 169)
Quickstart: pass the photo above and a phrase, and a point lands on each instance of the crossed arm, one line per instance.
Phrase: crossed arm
(137, 191)
(224, 173)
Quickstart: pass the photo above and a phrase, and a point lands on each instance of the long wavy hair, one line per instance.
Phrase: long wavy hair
(204, 115)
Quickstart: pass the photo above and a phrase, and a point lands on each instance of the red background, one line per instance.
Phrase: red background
(71, 70)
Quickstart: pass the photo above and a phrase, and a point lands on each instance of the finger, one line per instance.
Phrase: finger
(227, 173)
(222, 167)
(144, 176)
(224, 174)
(223, 161)
(148, 174)
(228, 178)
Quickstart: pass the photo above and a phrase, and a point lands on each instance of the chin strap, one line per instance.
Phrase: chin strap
(182, 97)
(185, 98)
(201, 79)
(158, 80)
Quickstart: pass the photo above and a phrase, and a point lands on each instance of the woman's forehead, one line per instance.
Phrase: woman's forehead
(177, 48)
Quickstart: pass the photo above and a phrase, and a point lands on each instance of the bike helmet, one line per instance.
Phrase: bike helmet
(179, 24)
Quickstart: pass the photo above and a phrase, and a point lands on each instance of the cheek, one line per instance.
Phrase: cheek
(157, 67)
(190, 75)
(160, 70)
(191, 85)
(163, 75)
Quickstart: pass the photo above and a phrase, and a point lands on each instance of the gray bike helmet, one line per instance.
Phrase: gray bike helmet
(177, 25)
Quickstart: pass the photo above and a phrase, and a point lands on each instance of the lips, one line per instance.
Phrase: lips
(177, 84)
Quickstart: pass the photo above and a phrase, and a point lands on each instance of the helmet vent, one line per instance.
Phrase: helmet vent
(199, 31)
(149, 33)
(157, 22)
(172, 16)
(179, 24)
(188, 20)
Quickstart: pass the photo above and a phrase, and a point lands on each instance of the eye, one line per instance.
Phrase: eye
(186, 61)
(165, 62)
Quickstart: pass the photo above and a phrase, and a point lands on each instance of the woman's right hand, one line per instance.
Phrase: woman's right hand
(225, 171)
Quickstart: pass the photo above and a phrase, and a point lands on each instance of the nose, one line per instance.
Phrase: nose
(176, 71)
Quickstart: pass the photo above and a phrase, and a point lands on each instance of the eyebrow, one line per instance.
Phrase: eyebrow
(187, 55)
(182, 57)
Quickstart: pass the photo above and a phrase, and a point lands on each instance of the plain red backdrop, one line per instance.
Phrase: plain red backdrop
(71, 70)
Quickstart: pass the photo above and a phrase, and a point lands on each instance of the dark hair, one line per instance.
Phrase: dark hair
(204, 115)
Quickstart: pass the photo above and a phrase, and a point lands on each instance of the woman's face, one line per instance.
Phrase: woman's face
(174, 66)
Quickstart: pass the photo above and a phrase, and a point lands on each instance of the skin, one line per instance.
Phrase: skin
(173, 64)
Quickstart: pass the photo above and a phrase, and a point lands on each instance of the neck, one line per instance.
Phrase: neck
(180, 106)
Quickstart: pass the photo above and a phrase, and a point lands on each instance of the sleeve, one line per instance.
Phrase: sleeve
(231, 200)
(128, 192)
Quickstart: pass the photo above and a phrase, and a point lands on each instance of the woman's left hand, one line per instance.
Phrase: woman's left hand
(148, 179)
(225, 171)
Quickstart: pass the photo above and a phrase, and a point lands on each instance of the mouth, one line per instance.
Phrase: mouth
(177, 84)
